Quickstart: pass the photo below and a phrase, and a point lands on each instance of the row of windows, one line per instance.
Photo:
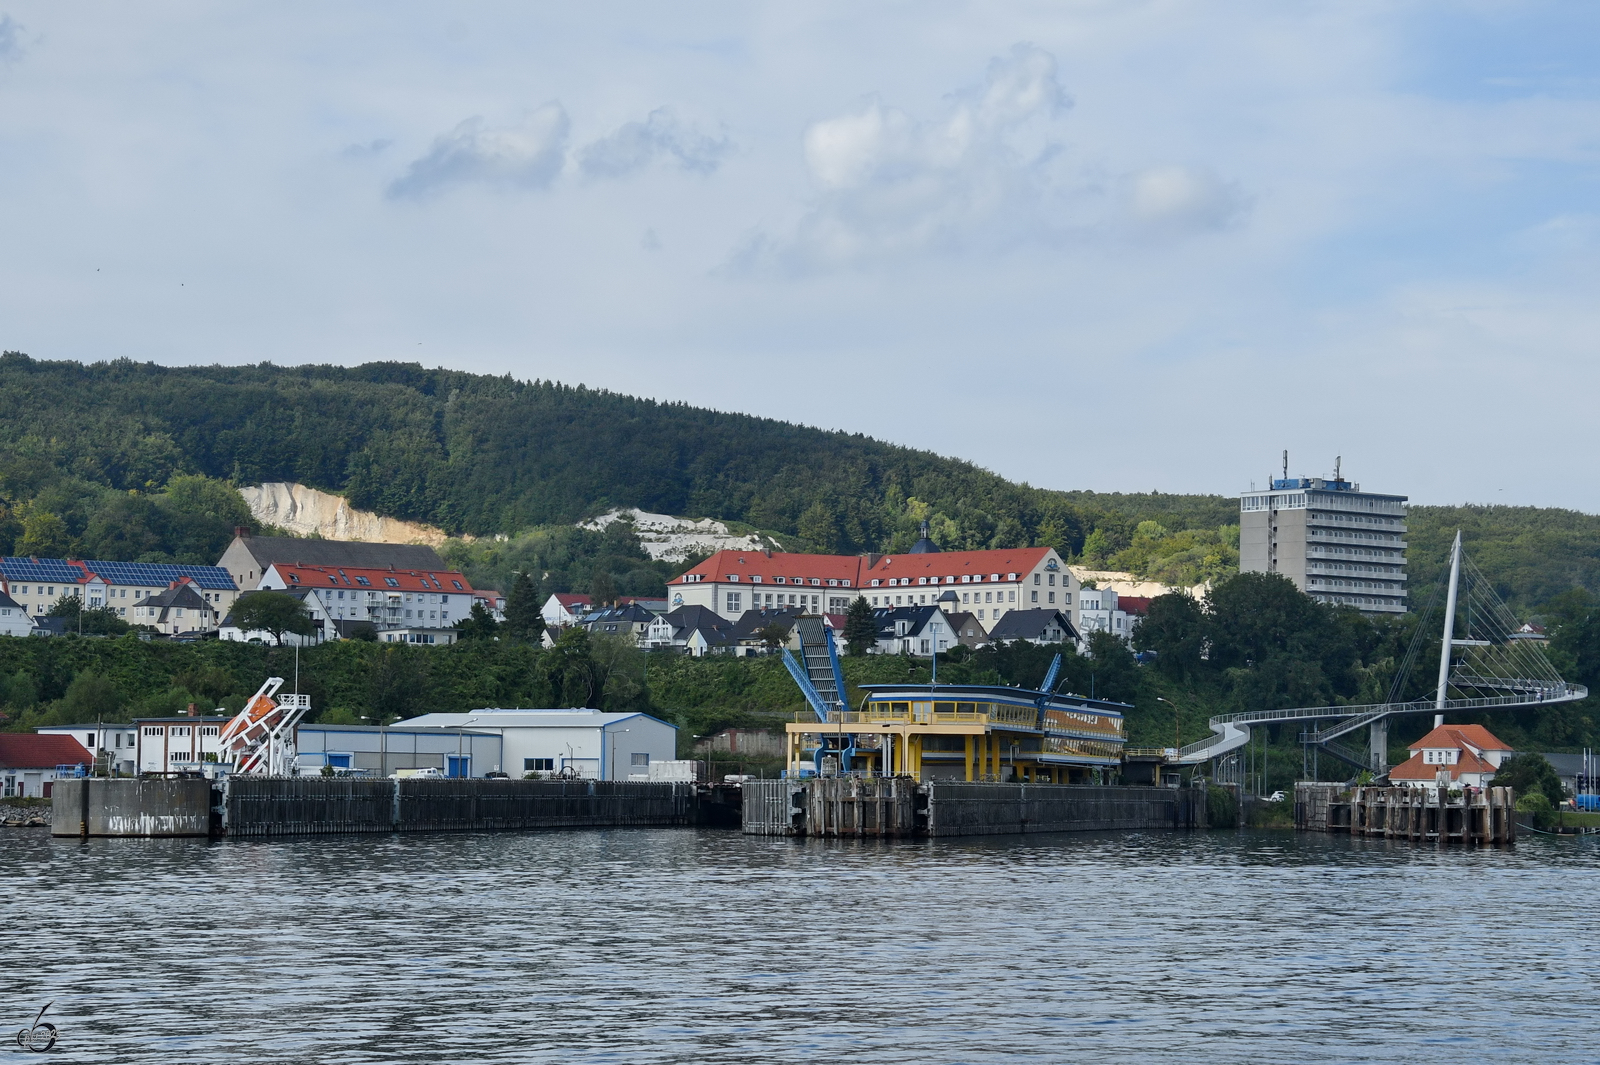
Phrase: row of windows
(815, 582)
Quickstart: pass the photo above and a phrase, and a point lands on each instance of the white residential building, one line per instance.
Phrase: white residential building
(113, 746)
(1098, 611)
(37, 584)
(177, 744)
(987, 584)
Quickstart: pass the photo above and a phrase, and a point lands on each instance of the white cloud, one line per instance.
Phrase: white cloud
(10, 39)
(661, 137)
(991, 174)
(528, 155)
(1176, 199)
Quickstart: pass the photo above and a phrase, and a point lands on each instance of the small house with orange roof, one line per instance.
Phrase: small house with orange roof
(1458, 756)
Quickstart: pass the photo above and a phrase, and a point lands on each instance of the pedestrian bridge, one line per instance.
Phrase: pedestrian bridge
(1485, 663)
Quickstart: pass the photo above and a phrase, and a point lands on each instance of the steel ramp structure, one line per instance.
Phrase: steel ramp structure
(817, 670)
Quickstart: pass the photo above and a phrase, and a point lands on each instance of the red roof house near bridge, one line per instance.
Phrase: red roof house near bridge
(1470, 754)
(28, 762)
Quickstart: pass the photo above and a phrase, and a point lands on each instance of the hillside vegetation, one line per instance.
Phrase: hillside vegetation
(133, 461)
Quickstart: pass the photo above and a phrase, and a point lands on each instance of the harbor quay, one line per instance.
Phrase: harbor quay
(837, 807)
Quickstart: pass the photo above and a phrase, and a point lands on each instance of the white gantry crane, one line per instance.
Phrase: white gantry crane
(259, 741)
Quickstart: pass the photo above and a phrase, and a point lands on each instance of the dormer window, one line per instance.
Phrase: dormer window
(733, 576)
(875, 582)
(780, 580)
(755, 578)
(844, 584)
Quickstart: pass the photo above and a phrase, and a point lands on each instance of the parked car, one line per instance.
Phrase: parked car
(496, 775)
(1276, 796)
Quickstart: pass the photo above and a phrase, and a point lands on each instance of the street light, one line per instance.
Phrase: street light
(1176, 736)
(614, 753)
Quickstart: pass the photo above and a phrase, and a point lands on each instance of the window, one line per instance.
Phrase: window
(459, 588)
(1052, 597)
(391, 582)
(735, 601)
(1036, 581)
(363, 582)
(641, 759)
(538, 765)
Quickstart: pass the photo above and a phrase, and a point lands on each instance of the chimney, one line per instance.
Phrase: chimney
(241, 532)
(872, 559)
(192, 711)
(1438, 720)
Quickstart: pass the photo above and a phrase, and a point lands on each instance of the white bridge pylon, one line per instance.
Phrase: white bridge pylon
(259, 741)
(1484, 664)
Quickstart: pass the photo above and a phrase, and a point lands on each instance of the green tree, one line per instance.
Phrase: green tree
(480, 624)
(602, 589)
(569, 670)
(97, 621)
(90, 697)
(773, 635)
(1529, 774)
(524, 622)
(860, 630)
(272, 612)
(43, 534)
(818, 526)
(1174, 628)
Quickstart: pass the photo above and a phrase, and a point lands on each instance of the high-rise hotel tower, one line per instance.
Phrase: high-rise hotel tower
(1337, 543)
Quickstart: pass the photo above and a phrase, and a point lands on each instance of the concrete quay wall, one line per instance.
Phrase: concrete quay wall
(961, 809)
(88, 806)
(252, 806)
(841, 807)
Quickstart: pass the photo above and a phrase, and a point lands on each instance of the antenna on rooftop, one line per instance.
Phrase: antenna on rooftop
(1338, 461)
(1285, 464)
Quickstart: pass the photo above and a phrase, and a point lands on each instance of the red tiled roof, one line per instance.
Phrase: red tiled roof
(568, 599)
(412, 580)
(987, 565)
(20, 750)
(794, 568)
(1461, 737)
(1134, 604)
(1414, 768)
(787, 568)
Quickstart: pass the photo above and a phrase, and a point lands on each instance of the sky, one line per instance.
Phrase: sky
(1129, 245)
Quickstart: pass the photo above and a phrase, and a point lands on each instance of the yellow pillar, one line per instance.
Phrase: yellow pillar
(968, 750)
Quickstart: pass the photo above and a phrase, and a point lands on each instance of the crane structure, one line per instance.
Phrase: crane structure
(260, 739)
(1485, 663)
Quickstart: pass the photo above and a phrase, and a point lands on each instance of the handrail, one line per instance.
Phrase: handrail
(1353, 717)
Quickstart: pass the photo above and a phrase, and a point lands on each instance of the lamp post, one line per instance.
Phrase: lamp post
(614, 754)
(1176, 733)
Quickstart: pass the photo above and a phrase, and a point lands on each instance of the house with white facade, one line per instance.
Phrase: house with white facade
(177, 744)
(14, 620)
(37, 584)
(563, 609)
(403, 606)
(1452, 756)
(988, 584)
(112, 746)
(913, 630)
(1034, 626)
(31, 763)
(591, 744)
(178, 610)
(1100, 610)
(248, 557)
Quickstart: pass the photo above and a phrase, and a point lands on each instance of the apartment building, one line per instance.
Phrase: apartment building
(37, 584)
(1338, 544)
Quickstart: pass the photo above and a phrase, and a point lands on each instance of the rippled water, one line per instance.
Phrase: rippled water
(709, 946)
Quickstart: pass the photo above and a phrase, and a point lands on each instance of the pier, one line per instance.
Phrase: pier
(245, 807)
(901, 807)
(1420, 815)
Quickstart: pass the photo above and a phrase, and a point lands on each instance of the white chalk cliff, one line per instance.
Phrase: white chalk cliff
(305, 511)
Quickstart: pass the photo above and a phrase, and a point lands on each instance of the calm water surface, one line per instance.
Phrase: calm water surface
(709, 946)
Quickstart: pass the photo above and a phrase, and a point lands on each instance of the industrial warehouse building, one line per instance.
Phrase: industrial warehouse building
(587, 743)
(383, 751)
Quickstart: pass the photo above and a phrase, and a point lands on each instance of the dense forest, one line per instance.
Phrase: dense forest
(133, 461)
(490, 455)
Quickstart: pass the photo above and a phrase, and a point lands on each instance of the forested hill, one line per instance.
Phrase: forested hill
(132, 461)
(483, 455)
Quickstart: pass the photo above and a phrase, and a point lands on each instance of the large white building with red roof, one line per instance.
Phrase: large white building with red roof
(411, 606)
(986, 584)
(1464, 756)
